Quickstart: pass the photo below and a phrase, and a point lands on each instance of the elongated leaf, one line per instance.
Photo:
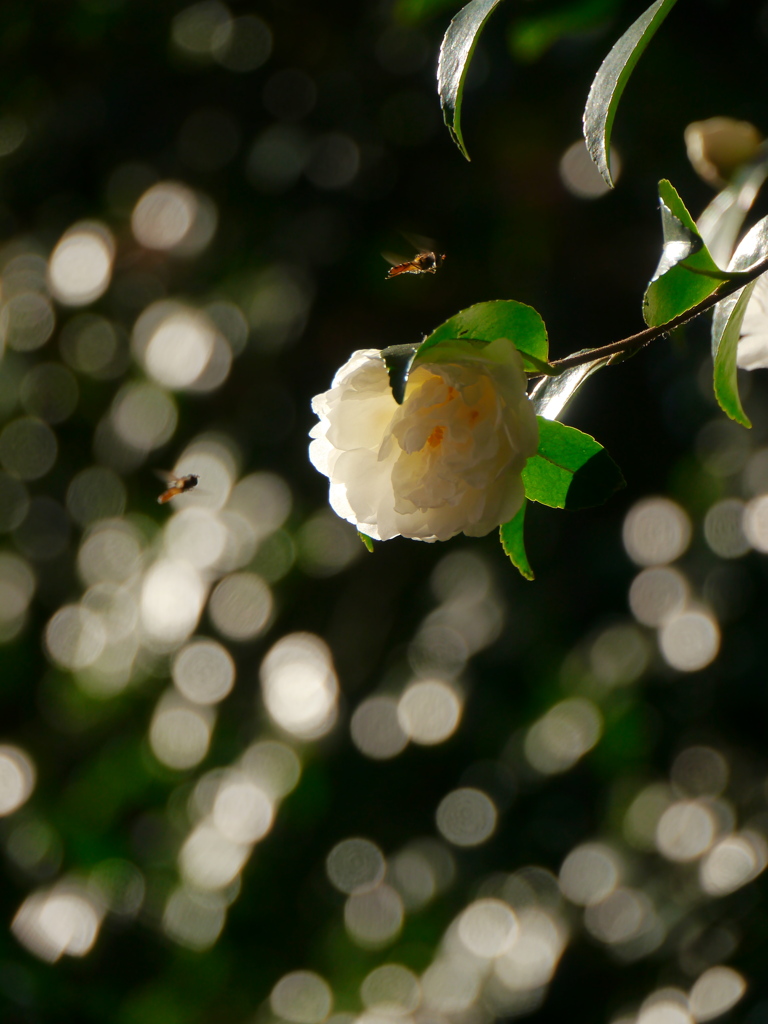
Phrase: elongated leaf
(727, 321)
(725, 372)
(488, 321)
(570, 469)
(552, 395)
(456, 51)
(610, 80)
(686, 273)
(752, 250)
(511, 536)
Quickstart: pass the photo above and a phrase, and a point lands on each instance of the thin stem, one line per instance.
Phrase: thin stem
(642, 338)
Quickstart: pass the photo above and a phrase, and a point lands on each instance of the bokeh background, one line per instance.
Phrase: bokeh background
(248, 771)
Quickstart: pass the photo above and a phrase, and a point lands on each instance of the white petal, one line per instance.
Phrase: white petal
(752, 352)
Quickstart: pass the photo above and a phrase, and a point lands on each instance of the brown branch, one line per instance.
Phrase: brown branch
(643, 338)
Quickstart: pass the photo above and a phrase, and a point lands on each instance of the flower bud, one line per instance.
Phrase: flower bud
(719, 146)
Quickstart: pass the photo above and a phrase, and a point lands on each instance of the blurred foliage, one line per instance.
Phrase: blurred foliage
(224, 179)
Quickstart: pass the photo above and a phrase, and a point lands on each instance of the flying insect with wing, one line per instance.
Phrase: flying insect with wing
(175, 485)
(426, 261)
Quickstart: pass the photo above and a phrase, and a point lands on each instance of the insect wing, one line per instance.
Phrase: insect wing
(420, 242)
(395, 259)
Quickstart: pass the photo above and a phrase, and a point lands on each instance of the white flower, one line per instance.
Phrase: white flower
(448, 460)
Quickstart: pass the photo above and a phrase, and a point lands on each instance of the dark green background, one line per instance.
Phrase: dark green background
(99, 85)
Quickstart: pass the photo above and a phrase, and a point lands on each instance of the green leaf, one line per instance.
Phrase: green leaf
(725, 373)
(469, 332)
(489, 321)
(398, 360)
(727, 321)
(367, 541)
(610, 80)
(551, 395)
(686, 273)
(456, 51)
(511, 536)
(570, 469)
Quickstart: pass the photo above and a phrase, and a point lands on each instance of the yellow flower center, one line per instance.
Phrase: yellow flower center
(436, 437)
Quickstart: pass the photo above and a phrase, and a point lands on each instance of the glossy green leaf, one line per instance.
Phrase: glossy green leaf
(398, 359)
(610, 80)
(727, 321)
(686, 273)
(470, 330)
(552, 395)
(488, 321)
(570, 469)
(456, 51)
(511, 536)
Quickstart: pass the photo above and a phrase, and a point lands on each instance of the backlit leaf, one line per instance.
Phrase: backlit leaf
(456, 51)
(511, 536)
(686, 273)
(469, 331)
(727, 321)
(488, 321)
(570, 469)
(610, 80)
(552, 395)
(725, 371)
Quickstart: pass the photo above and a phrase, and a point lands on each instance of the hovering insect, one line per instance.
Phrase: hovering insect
(176, 485)
(422, 263)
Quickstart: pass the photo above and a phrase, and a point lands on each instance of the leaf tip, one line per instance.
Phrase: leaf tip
(513, 545)
(733, 410)
(458, 139)
(366, 541)
(596, 147)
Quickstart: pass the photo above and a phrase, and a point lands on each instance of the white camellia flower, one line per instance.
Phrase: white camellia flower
(448, 460)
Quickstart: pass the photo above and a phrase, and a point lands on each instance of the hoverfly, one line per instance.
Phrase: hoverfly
(426, 261)
(423, 263)
(176, 485)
